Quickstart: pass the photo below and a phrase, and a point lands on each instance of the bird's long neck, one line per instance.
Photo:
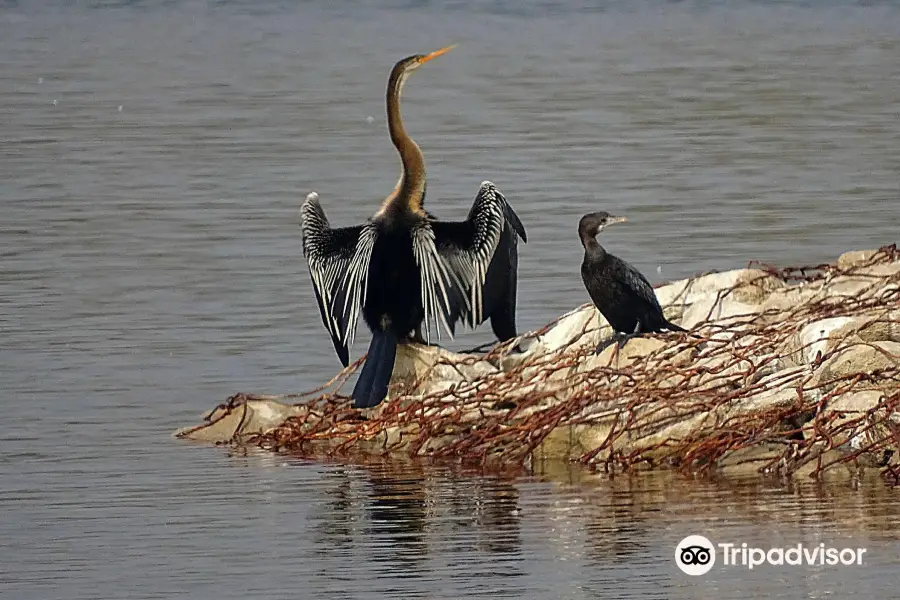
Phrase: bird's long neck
(410, 191)
(592, 247)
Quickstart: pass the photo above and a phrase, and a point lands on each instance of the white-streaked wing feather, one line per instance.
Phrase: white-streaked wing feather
(338, 266)
(469, 246)
(440, 287)
(356, 277)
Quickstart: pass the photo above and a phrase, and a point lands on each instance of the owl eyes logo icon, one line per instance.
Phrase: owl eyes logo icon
(695, 555)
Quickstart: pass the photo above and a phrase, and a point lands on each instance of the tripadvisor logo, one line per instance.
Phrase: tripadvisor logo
(696, 555)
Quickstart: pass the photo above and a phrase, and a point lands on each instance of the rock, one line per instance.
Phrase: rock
(728, 295)
(572, 331)
(713, 308)
(856, 425)
(820, 339)
(561, 443)
(855, 258)
(815, 341)
(639, 347)
(433, 365)
(749, 286)
(716, 296)
(746, 462)
(880, 270)
(763, 400)
(251, 417)
(510, 361)
(887, 293)
(848, 286)
(860, 358)
(724, 372)
(854, 403)
(581, 326)
(884, 327)
(788, 299)
(818, 357)
(674, 292)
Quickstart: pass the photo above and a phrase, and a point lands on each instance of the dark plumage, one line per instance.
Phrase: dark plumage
(404, 271)
(501, 279)
(619, 291)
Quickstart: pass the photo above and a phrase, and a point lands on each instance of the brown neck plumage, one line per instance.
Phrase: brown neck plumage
(410, 191)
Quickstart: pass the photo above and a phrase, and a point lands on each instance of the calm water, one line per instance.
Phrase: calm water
(153, 161)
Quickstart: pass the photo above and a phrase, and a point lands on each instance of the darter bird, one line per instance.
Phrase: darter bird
(404, 269)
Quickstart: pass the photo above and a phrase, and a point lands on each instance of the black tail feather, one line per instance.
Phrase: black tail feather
(384, 370)
(672, 326)
(372, 385)
(367, 375)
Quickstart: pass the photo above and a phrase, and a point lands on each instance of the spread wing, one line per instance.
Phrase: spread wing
(338, 266)
(468, 246)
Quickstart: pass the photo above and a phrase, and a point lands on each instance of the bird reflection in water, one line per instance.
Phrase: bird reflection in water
(405, 515)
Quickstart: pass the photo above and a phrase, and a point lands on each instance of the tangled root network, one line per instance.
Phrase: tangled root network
(784, 371)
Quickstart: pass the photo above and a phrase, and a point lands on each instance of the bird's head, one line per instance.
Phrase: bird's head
(593, 223)
(409, 64)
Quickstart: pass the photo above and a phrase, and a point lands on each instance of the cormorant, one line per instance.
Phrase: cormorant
(403, 268)
(619, 291)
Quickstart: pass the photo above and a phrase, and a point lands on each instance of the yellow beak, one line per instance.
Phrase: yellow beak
(436, 53)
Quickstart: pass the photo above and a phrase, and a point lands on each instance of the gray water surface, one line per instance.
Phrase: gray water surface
(154, 158)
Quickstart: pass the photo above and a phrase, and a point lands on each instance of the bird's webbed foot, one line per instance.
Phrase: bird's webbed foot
(604, 344)
(617, 338)
(623, 338)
